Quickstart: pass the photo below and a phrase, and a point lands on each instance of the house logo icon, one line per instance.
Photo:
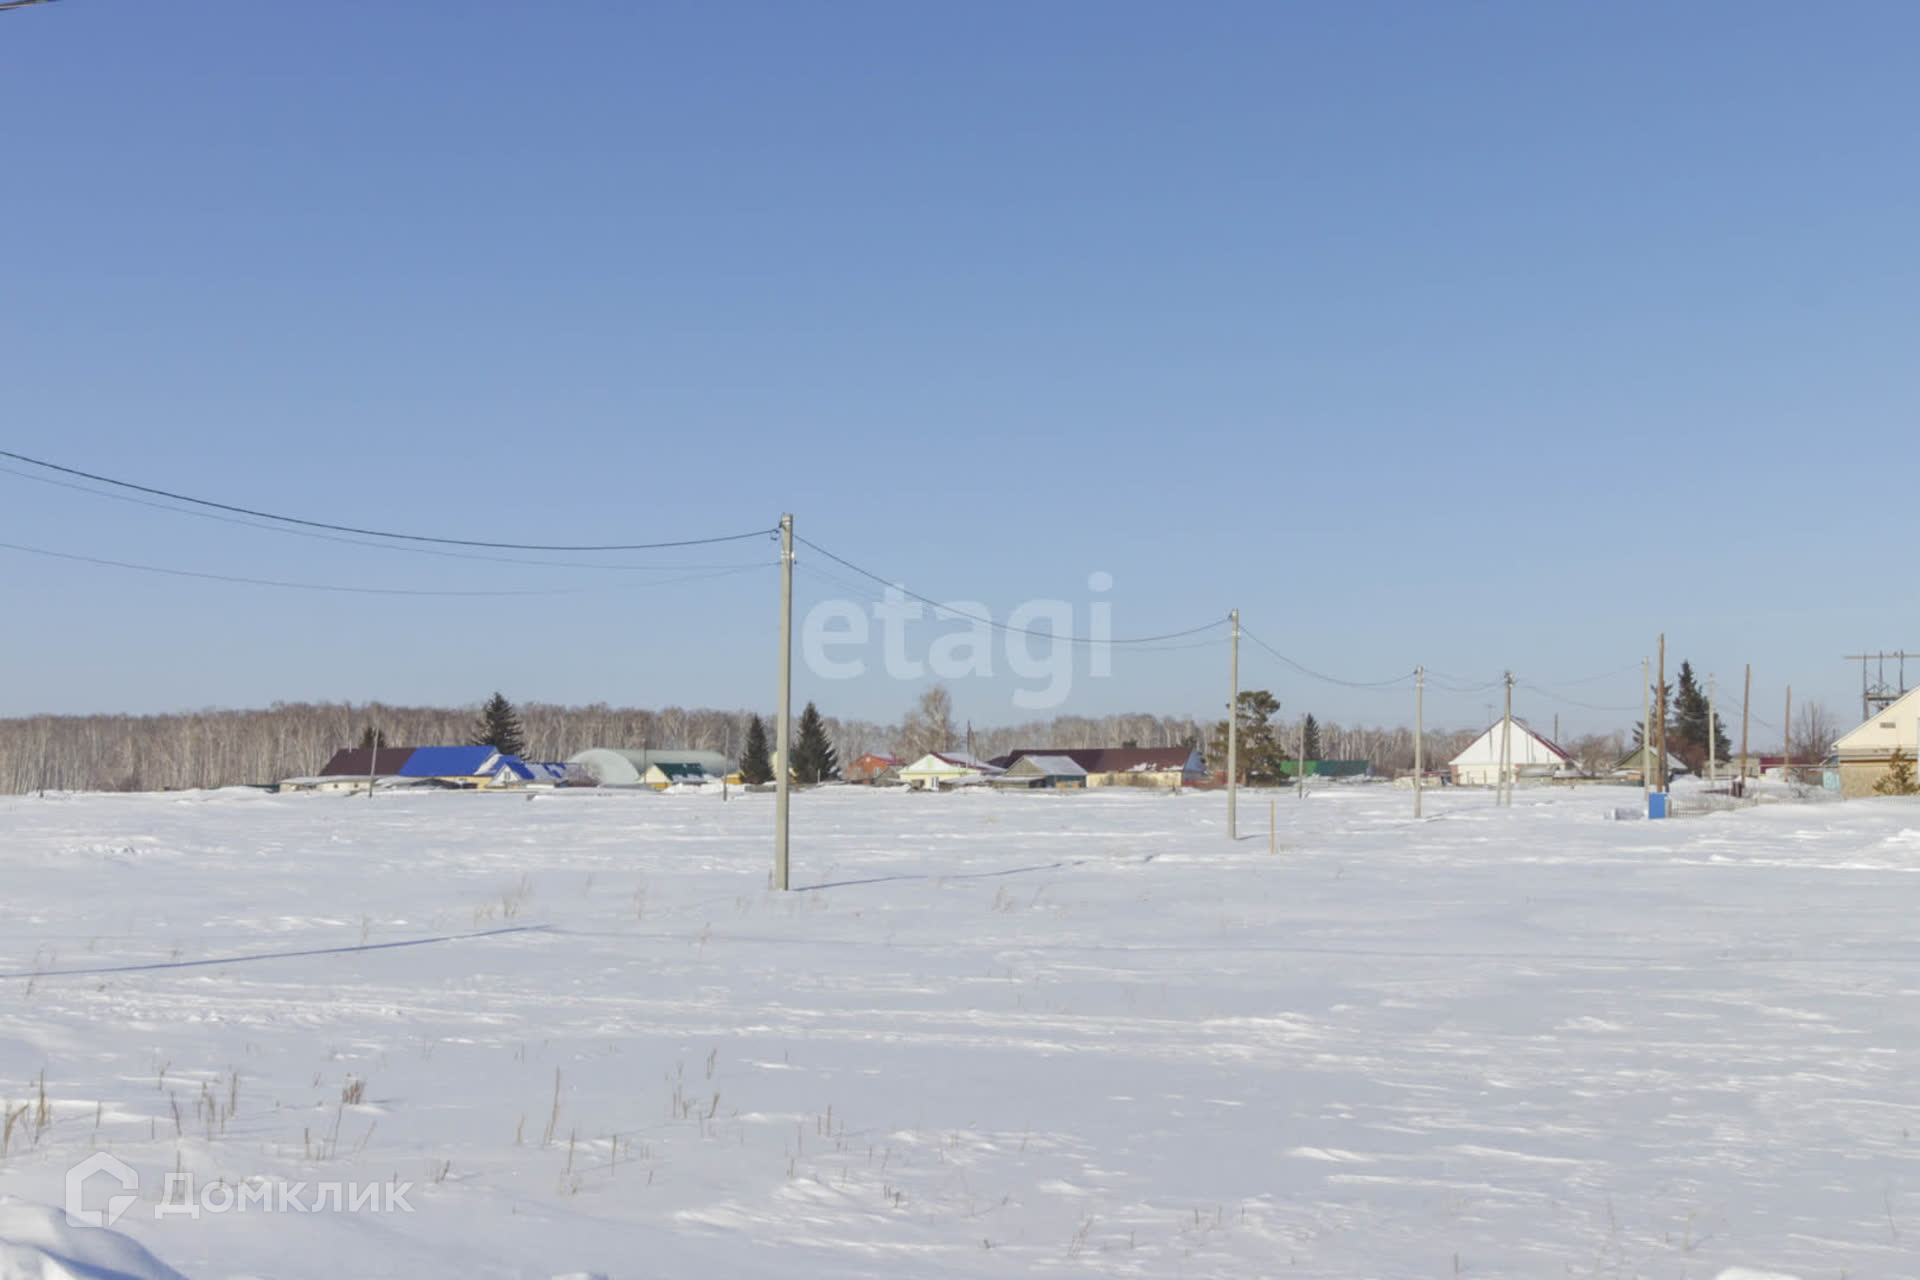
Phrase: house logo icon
(99, 1164)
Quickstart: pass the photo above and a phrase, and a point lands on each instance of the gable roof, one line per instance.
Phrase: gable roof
(450, 762)
(359, 762)
(940, 761)
(676, 770)
(1113, 759)
(1526, 746)
(530, 770)
(1895, 725)
(1047, 767)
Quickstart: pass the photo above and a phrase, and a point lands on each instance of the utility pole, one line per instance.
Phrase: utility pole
(1646, 735)
(1419, 734)
(1506, 747)
(783, 732)
(1233, 735)
(1660, 705)
(1746, 698)
(1786, 732)
(1303, 757)
(1710, 729)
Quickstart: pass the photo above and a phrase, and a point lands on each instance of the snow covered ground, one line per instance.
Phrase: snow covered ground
(1014, 1034)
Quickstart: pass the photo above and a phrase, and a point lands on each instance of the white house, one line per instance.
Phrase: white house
(1865, 750)
(938, 770)
(1532, 756)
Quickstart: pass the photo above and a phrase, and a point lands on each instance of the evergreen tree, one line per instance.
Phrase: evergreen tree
(499, 727)
(1309, 739)
(756, 765)
(814, 758)
(1899, 780)
(371, 739)
(1259, 753)
(1688, 732)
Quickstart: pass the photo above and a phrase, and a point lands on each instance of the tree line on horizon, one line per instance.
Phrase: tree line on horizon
(217, 748)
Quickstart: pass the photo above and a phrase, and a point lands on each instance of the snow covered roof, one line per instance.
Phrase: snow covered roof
(1048, 766)
(1115, 759)
(950, 762)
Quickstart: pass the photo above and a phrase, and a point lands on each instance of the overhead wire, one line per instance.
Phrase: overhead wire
(316, 535)
(1318, 675)
(997, 625)
(333, 527)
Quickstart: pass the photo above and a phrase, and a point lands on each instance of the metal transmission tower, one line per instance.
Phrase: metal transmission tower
(1876, 691)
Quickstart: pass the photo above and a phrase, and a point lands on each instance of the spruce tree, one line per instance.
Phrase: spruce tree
(499, 727)
(1899, 780)
(756, 765)
(814, 758)
(371, 739)
(1309, 739)
(1689, 731)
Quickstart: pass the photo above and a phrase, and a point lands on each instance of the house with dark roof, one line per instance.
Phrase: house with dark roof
(1123, 766)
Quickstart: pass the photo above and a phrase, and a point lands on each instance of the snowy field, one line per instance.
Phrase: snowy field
(992, 1035)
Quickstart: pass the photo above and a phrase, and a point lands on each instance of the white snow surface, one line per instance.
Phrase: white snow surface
(988, 1034)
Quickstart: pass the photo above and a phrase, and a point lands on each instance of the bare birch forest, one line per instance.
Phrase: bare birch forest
(218, 748)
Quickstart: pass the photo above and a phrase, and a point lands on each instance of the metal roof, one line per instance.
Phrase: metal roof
(450, 762)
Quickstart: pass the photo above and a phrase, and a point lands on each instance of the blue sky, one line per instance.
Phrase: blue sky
(1479, 336)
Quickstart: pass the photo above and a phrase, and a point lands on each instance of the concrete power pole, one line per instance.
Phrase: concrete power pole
(783, 732)
(1660, 705)
(1506, 747)
(1419, 734)
(1646, 735)
(1233, 734)
(1786, 732)
(1746, 699)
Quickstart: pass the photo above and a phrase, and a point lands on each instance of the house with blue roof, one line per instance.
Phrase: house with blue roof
(464, 766)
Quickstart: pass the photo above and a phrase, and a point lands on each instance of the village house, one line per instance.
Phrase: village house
(1865, 751)
(1529, 754)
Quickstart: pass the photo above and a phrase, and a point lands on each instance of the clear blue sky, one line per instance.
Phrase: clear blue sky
(1484, 336)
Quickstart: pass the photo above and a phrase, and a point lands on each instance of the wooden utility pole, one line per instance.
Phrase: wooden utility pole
(1233, 733)
(1745, 699)
(1660, 705)
(1419, 734)
(1711, 731)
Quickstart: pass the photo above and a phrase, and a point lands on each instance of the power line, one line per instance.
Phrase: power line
(355, 542)
(952, 612)
(1351, 684)
(375, 533)
(324, 586)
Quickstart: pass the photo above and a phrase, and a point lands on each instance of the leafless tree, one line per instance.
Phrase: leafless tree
(1813, 732)
(929, 726)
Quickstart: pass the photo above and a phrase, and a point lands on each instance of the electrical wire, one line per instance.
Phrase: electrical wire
(332, 587)
(1306, 670)
(375, 533)
(355, 542)
(951, 612)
